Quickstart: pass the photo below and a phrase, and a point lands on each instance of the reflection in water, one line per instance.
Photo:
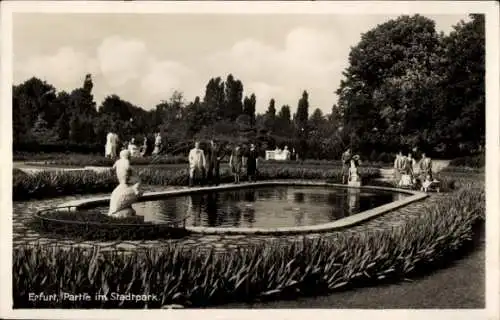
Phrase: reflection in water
(354, 195)
(265, 207)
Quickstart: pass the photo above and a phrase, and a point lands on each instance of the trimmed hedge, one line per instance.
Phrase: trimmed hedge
(197, 278)
(57, 183)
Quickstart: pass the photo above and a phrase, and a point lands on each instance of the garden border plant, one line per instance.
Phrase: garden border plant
(197, 278)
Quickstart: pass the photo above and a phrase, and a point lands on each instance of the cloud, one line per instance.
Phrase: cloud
(65, 69)
(309, 60)
(119, 66)
(122, 60)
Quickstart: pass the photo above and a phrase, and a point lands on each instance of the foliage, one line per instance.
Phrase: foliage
(196, 278)
(477, 161)
(50, 184)
(406, 86)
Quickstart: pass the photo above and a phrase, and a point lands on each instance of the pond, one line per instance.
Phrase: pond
(264, 206)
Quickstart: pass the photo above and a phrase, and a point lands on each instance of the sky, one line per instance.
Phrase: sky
(143, 58)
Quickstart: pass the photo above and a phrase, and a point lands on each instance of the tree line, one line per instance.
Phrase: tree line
(406, 86)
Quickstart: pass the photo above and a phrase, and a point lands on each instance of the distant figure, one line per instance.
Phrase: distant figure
(157, 148)
(132, 148)
(214, 156)
(425, 166)
(235, 163)
(114, 145)
(111, 146)
(144, 148)
(197, 164)
(252, 163)
(286, 154)
(399, 166)
(346, 158)
(407, 177)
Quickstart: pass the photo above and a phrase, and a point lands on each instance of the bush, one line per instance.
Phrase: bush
(50, 184)
(476, 161)
(198, 278)
(59, 147)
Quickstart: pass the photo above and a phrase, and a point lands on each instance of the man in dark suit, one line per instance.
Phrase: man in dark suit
(214, 156)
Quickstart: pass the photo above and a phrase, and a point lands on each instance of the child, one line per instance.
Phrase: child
(429, 184)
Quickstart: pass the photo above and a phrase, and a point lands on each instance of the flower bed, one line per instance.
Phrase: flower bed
(273, 270)
(50, 184)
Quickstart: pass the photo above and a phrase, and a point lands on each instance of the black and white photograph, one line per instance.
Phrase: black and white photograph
(226, 156)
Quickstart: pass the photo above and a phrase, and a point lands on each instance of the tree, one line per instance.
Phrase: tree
(249, 108)
(389, 88)
(233, 98)
(461, 114)
(214, 99)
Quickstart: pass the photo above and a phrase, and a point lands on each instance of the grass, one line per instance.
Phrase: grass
(196, 278)
(51, 184)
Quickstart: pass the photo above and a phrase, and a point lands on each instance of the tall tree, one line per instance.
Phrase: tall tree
(389, 87)
(233, 98)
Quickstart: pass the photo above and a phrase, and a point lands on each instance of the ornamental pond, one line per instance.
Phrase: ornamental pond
(263, 206)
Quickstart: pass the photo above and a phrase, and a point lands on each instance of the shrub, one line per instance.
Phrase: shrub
(198, 278)
(50, 184)
(476, 161)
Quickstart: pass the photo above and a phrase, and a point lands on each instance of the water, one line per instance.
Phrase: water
(265, 207)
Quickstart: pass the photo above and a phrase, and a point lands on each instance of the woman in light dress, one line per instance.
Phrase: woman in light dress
(236, 163)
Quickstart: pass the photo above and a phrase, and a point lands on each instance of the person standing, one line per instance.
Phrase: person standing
(214, 156)
(425, 166)
(197, 163)
(108, 147)
(399, 166)
(235, 163)
(409, 166)
(252, 163)
(346, 159)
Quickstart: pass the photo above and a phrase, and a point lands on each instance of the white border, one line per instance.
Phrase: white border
(489, 8)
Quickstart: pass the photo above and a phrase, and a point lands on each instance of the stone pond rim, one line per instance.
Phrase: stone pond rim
(346, 222)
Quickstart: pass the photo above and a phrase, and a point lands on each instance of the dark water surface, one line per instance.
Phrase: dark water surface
(265, 207)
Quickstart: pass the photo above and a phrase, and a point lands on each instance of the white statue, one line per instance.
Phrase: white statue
(354, 179)
(157, 147)
(124, 194)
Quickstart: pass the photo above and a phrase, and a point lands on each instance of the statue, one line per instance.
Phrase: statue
(124, 195)
(354, 179)
(157, 147)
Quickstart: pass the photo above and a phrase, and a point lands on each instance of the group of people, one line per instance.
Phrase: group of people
(204, 165)
(112, 143)
(408, 172)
